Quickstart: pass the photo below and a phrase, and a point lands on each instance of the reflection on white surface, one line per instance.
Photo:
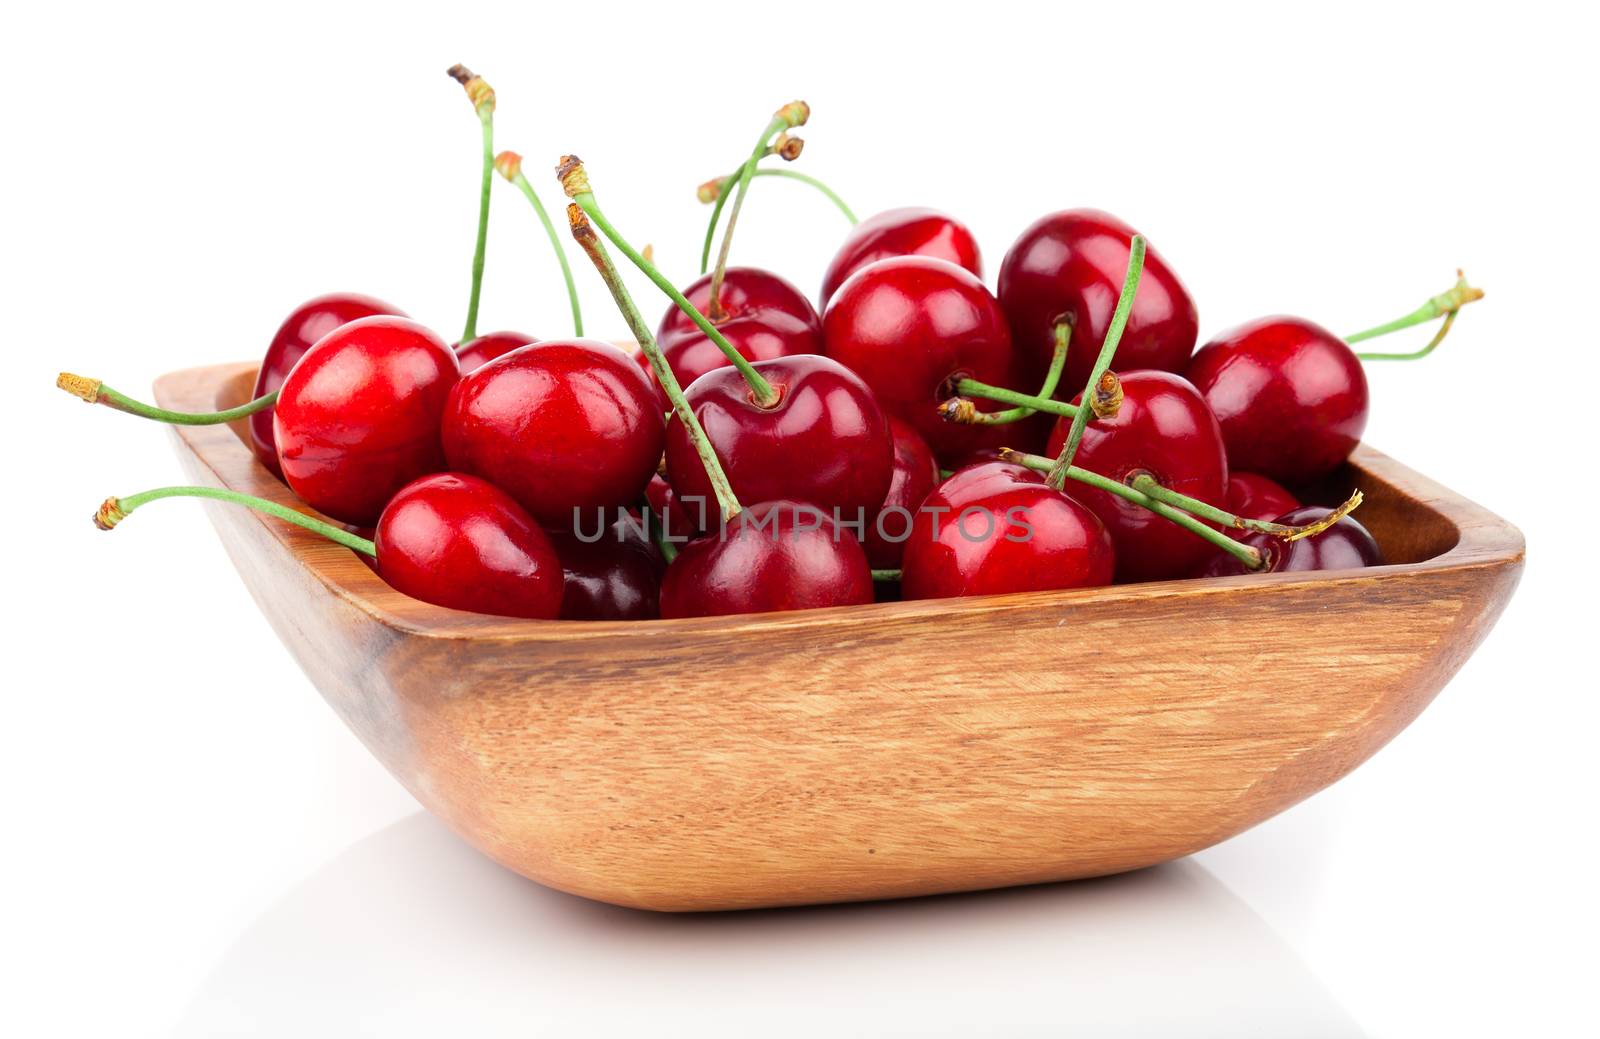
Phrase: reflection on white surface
(410, 932)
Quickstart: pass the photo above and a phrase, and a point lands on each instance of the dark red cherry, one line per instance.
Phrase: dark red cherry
(766, 317)
(825, 441)
(306, 324)
(562, 425)
(1290, 395)
(613, 570)
(358, 417)
(912, 326)
(916, 473)
(1253, 496)
(455, 540)
(478, 352)
(911, 231)
(775, 555)
(1165, 429)
(1072, 265)
(998, 528)
(1346, 545)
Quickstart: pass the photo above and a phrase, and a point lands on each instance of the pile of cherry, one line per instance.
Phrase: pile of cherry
(920, 437)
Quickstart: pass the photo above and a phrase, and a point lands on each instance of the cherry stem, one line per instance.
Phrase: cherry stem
(96, 392)
(1057, 477)
(576, 184)
(786, 118)
(715, 193)
(584, 235)
(1146, 483)
(1052, 377)
(1244, 553)
(958, 410)
(1447, 303)
(886, 575)
(483, 101)
(510, 166)
(115, 510)
(665, 543)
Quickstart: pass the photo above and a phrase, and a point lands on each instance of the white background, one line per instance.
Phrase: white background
(195, 843)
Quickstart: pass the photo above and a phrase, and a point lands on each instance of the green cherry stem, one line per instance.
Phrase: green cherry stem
(575, 181)
(714, 193)
(584, 235)
(1052, 377)
(509, 166)
(1057, 476)
(482, 97)
(96, 392)
(961, 410)
(1244, 553)
(791, 115)
(886, 575)
(1447, 303)
(115, 510)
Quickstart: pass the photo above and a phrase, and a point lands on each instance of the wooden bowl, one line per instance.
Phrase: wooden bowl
(874, 751)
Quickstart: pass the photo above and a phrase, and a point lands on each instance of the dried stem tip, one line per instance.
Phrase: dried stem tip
(479, 93)
(1312, 529)
(959, 410)
(79, 386)
(711, 190)
(574, 179)
(578, 221)
(788, 148)
(508, 164)
(1106, 400)
(793, 114)
(109, 514)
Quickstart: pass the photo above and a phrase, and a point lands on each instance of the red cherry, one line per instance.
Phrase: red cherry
(775, 555)
(678, 520)
(476, 353)
(766, 318)
(1071, 265)
(454, 540)
(910, 327)
(902, 232)
(824, 442)
(1290, 395)
(1346, 545)
(916, 473)
(1165, 429)
(615, 577)
(1253, 496)
(306, 324)
(358, 417)
(998, 528)
(565, 426)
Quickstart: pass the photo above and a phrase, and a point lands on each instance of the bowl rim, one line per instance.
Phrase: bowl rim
(1482, 539)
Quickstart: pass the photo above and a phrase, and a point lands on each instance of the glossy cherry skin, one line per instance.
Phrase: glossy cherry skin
(306, 324)
(1253, 496)
(774, 555)
(1072, 264)
(825, 442)
(476, 353)
(454, 540)
(910, 327)
(911, 231)
(613, 577)
(358, 417)
(566, 427)
(1346, 545)
(1291, 397)
(916, 473)
(767, 317)
(1165, 429)
(998, 528)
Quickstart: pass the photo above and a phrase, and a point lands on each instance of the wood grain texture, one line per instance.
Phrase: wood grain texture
(875, 751)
